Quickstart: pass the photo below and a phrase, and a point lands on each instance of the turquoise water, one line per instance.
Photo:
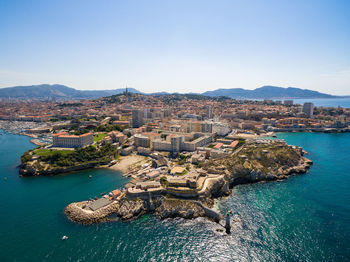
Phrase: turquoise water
(304, 218)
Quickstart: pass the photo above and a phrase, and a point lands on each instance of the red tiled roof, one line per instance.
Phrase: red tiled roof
(218, 145)
(234, 144)
(60, 134)
(65, 134)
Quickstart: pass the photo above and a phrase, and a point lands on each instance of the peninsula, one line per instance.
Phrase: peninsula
(187, 185)
(181, 152)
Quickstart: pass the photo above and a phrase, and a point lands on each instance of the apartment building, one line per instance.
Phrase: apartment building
(137, 117)
(177, 143)
(308, 109)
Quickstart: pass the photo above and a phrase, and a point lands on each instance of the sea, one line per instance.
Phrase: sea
(303, 218)
(325, 102)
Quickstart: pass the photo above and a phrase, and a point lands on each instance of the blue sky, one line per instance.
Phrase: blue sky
(175, 45)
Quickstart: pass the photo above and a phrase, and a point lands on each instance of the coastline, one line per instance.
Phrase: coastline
(21, 127)
(249, 202)
(173, 201)
(125, 163)
(126, 208)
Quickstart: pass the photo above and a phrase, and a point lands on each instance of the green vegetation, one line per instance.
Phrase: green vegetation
(241, 142)
(26, 157)
(81, 156)
(163, 181)
(47, 152)
(182, 173)
(182, 159)
(82, 131)
(99, 137)
(100, 128)
(109, 128)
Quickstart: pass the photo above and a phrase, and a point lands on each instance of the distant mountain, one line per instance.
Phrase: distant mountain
(163, 93)
(268, 92)
(61, 92)
(56, 92)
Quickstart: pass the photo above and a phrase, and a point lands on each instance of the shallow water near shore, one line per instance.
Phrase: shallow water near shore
(304, 218)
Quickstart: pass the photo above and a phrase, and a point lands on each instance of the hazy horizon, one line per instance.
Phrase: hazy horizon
(144, 92)
(176, 46)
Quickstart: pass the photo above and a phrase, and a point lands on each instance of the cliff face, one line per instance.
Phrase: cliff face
(30, 170)
(265, 162)
(125, 209)
(254, 163)
(170, 208)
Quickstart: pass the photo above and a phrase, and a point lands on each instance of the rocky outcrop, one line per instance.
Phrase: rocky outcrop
(124, 209)
(218, 187)
(127, 209)
(28, 170)
(255, 163)
(242, 175)
(170, 208)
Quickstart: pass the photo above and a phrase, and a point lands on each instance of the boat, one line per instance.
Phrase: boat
(113, 162)
(90, 176)
(64, 237)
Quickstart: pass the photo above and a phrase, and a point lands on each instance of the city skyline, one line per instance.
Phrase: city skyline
(176, 47)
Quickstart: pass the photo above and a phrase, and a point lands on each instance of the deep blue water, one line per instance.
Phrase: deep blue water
(304, 218)
(327, 102)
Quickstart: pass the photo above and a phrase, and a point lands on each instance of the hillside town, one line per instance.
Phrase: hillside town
(137, 113)
(181, 146)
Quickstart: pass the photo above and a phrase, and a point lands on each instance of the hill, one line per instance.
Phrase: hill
(55, 92)
(268, 92)
(61, 92)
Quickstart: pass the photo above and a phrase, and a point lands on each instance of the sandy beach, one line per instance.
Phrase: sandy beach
(125, 163)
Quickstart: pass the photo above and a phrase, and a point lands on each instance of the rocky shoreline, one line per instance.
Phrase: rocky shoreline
(32, 171)
(282, 173)
(127, 209)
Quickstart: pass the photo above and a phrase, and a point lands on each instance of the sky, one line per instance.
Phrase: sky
(176, 45)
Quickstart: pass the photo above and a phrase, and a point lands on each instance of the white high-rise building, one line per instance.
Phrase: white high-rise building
(209, 111)
(308, 109)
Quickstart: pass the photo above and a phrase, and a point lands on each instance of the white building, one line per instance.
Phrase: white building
(221, 128)
(308, 109)
(177, 143)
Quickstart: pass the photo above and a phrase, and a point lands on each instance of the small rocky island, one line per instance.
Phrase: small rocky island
(187, 186)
